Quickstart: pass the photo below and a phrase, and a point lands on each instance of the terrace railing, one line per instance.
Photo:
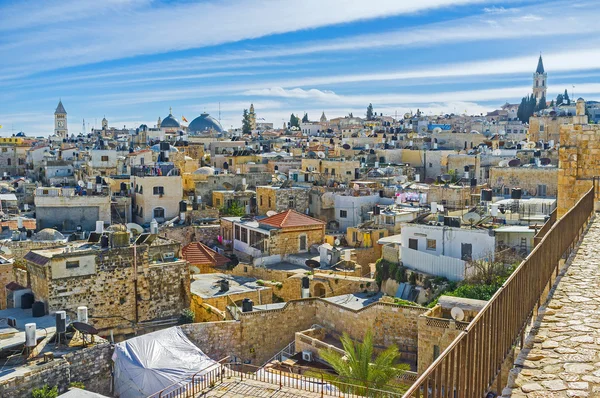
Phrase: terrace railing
(471, 364)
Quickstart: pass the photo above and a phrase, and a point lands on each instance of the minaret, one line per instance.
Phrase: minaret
(539, 81)
(104, 123)
(158, 123)
(323, 118)
(252, 117)
(60, 121)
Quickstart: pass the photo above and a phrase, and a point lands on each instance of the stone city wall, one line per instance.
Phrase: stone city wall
(90, 366)
(526, 178)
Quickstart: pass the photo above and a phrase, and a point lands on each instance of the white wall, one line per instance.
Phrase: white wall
(449, 240)
(452, 268)
(352, 205)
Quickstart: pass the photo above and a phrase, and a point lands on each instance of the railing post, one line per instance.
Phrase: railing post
(322, 386)
(280, 380)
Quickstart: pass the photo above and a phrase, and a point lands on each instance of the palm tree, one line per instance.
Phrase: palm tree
(358, 367)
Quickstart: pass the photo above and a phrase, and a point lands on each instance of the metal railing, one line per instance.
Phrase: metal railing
(545, 228)
(471, 364)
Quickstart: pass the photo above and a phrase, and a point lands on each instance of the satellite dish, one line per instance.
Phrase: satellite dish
(545, 161)
(336, 242)
(312, 264)
(81, 183)
(457, 314)
(514, 163)
(281, 177)
(437, 130)
(475, 132)
(407, 115)
(271, 213)
(503, 163)
(135, 227)
(346, 146)
(321, 155)
(227, 185)
(471, 218)
(412, 135)
(446, 177)
(530, 145)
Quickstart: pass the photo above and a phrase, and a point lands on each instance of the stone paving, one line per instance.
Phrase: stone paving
(234, 388)
(562, 357)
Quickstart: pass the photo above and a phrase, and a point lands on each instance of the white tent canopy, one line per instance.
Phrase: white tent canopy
(147, 364)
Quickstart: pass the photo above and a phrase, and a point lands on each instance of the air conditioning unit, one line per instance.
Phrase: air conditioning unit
(12, 321)
(307, 356)
(169, 256)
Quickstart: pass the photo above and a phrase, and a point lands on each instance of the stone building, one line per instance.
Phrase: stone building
(226, 198)
(157, 192)
(578, 159)
(125, 287)
(329, 170)
(214, 182)
(546, 127)
(68, 208)
(278, 199)
(13, 156)
(285, 233)
(534, 181)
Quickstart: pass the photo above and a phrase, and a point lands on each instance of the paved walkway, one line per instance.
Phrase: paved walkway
(563, 358)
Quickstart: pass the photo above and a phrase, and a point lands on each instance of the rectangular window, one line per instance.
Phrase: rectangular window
(238, 232)
(104, 158)
(343, 214)
(261, 200)
(291, 202)
(326, 171)
(303, 243)
(431, 244)
(349, 173)
(381, 234)
(72, 264)
(354, 236)
(541, 190)
(332, 172)
(158, 190)
(244, 237)
(413, 244)
(466, 251)
(269, 202)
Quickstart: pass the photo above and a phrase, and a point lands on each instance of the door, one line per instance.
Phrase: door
(466, 251)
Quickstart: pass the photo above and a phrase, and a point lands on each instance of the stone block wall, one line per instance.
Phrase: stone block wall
(91, 366)
(6, 276)
(217, 339)
(434, 332)
(579, 163)
(526, 178)
(287, 240)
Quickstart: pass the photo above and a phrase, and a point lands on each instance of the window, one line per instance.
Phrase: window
(45, 192)
(381, 234)
(302, 243)
(332, 172)
(21, 161)
(158, 190)
(261, 200)
(541, 127)
(104, 158)
(244, 237)
(506, 191)
(141, 212)
(326, 171)
(343, 214)
(413, 244)
(159, 212)
(291, 202)
(9, 161)
(72, 264)
(541, 190)
(431, 244)
(466, 251)
(354, 236)
(218, 202)
(238, 232)
(269, 202)
(349, 173)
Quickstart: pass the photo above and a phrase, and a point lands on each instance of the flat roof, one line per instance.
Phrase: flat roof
(208, 286)
(355, 301)
(390, 239)
(524, 229)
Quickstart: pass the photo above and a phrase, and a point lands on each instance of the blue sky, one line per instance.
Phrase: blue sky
(130, 60)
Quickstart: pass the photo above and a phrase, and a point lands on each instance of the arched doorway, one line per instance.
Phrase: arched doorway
(319, 290)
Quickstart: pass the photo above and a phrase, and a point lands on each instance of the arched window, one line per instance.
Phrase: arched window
(159, 212)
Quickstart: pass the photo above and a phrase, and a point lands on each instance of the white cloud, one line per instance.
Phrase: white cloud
(151, 28)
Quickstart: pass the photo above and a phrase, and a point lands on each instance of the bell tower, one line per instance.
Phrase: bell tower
(539, 81)
(60, 121)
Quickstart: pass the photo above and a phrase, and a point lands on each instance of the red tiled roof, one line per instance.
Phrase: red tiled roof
(290, 218)
(28, 223)
(199, 253)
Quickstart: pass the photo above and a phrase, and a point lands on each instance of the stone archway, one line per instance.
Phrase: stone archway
(318, 290)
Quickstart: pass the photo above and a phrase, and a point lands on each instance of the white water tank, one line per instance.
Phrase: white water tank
(20, 222)
(99, 227)
(417, 177)
(154, 227)
(494, 210)
(82, 314)
(434, 208)
(376, 165)
(30, 340)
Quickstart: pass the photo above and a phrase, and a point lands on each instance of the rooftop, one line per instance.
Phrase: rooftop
(355, 301)
(208, 286)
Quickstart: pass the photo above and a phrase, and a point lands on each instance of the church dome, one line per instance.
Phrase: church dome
(205, 122)
(170, 122)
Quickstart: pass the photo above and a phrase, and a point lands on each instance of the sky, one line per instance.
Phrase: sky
(132, 60)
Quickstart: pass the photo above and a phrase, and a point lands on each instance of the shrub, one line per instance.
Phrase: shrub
(186, 316)
(45, 392)
(77, 384)
(413, 278)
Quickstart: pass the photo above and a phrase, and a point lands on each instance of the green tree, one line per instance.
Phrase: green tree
(359, 367)
(350, 114)
(370, 112)
(566, 98)
(552, 104)
(45, 392)
(234, 210)
(294, 121)
(305, 118)
(559, 99)
(541, 103)
(246, 125)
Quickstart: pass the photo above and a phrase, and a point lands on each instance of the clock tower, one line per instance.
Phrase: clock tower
(60, 121)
